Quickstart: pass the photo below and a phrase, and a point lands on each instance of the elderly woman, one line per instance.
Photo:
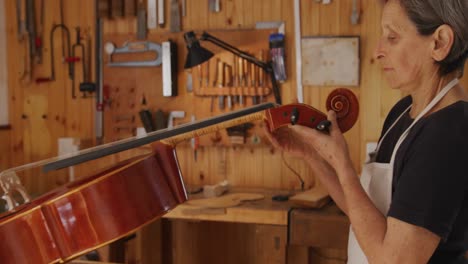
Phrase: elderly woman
(411, 203)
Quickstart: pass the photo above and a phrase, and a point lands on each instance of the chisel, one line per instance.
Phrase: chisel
(246, 75)
(31, 27)
(175, 17)
(228, 83)
(152, 17)
(189, 81)
(220, 82)
(20, 20)
(161, 12)
(141, 20)
(253, 82)
(240, 72)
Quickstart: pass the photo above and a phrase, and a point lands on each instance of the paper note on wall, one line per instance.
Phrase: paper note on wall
(330, 61)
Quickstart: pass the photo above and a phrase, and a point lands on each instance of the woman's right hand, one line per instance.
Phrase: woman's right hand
(296, 144)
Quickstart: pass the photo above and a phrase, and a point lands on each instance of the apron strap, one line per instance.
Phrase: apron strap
(434, 101)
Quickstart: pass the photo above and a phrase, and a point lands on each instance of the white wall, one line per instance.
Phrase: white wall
(3, 68)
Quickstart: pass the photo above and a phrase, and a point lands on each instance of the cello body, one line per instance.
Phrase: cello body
(89, 213)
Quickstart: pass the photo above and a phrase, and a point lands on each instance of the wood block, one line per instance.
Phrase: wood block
(316, 197)
(225, 201)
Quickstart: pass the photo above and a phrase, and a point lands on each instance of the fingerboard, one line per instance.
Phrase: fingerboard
(170, 136)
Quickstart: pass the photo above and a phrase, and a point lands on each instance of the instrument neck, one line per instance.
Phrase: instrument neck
(173, 141)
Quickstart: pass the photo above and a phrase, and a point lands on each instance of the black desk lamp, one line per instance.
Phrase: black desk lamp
(197, 55)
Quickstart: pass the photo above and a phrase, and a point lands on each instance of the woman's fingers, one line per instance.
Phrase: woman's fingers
(271, 138)
(280, 138)
(334, 128)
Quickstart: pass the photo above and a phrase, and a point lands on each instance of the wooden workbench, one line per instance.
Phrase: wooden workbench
(264, 211)
(279, 229)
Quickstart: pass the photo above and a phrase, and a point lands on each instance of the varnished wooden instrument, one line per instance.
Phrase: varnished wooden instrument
(91, 212)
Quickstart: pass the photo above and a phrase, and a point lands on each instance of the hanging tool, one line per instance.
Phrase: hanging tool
(21, 23)
(152, 14)
(39, 35)
(298, 50)
(175, 17)
(31, 27)
(67, 59)
(169, 68)
(29, 33)
(246, 74)
(206, 73)
(75, 46)
(23, 36)
(135, 47)
(161, 13)
(228, 83)
(64, 56)
(173, 115)
(146, 117)
(235, 80)
(194, 142)
(141, 21)
(188, 80)
(102, 94)
(354, 14)
(214, 5)
(277, 43)
(220, 82)
(199, 75)
(215, 69)
(240, 72)
(253, 82)
(184, 8)
(87, 86)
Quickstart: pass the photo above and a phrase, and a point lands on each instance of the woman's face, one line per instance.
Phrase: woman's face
(404, 54)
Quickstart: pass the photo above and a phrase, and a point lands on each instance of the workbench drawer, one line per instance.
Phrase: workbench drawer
(316, 228)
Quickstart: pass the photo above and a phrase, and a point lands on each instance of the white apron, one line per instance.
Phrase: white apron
(376, 178)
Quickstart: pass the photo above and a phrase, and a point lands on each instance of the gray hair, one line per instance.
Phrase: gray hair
(428, 15)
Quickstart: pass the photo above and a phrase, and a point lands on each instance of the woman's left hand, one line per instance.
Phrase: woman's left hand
(332, 147)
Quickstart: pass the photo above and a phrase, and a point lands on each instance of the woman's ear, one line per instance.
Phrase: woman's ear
(443, 42)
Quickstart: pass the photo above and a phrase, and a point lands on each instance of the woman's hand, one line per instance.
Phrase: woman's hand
(332, 147)
(296, 142)
(314, 147)
(292, 142)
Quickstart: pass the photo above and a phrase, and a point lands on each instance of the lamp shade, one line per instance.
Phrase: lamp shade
(196, 54)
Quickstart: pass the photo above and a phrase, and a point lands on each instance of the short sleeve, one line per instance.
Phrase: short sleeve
(432, 183)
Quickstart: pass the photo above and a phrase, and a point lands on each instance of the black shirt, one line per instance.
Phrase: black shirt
(430, 177)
